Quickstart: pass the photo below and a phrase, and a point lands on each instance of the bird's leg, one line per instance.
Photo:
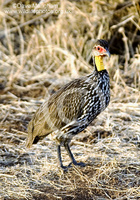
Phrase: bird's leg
(60, 158)
(66, 145)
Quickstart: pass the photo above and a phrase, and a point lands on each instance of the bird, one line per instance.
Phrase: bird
(73, 107)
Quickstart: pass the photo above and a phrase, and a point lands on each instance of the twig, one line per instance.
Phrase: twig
(2, 33)
(122, 23)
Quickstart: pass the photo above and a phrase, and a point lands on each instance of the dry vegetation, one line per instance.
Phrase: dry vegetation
(38, 54)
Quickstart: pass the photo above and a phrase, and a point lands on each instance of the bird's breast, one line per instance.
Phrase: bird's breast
(98, 97)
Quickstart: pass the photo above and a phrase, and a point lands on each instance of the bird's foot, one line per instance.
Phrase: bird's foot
(65, 168)
(81, 164)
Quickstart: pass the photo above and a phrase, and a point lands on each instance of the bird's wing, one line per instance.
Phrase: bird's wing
(62, 107)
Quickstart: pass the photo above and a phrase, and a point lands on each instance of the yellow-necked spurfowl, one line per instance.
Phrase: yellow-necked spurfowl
(73, 107)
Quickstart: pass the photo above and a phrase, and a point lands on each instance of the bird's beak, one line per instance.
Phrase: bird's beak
(107, 53)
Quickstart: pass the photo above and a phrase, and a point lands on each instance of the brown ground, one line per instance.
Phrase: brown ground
(39, 53)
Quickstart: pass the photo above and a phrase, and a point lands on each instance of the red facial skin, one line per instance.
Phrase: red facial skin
(100, 49)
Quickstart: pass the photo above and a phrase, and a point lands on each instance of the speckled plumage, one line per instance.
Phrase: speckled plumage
(71, 109)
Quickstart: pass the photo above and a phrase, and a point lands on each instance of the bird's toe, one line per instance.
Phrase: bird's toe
(81, 164)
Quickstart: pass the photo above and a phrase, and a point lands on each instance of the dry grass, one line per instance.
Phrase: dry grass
(41, 52)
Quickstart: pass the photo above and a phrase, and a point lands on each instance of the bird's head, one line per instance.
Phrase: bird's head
(100, 50)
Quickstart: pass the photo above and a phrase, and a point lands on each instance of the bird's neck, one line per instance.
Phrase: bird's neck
(99, 63)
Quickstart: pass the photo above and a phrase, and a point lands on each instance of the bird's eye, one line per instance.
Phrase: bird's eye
(98, 48)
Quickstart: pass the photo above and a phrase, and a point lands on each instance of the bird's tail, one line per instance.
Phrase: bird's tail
(30, 137)
(35, 133)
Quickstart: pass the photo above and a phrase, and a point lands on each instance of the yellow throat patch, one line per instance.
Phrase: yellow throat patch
(99, 63)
